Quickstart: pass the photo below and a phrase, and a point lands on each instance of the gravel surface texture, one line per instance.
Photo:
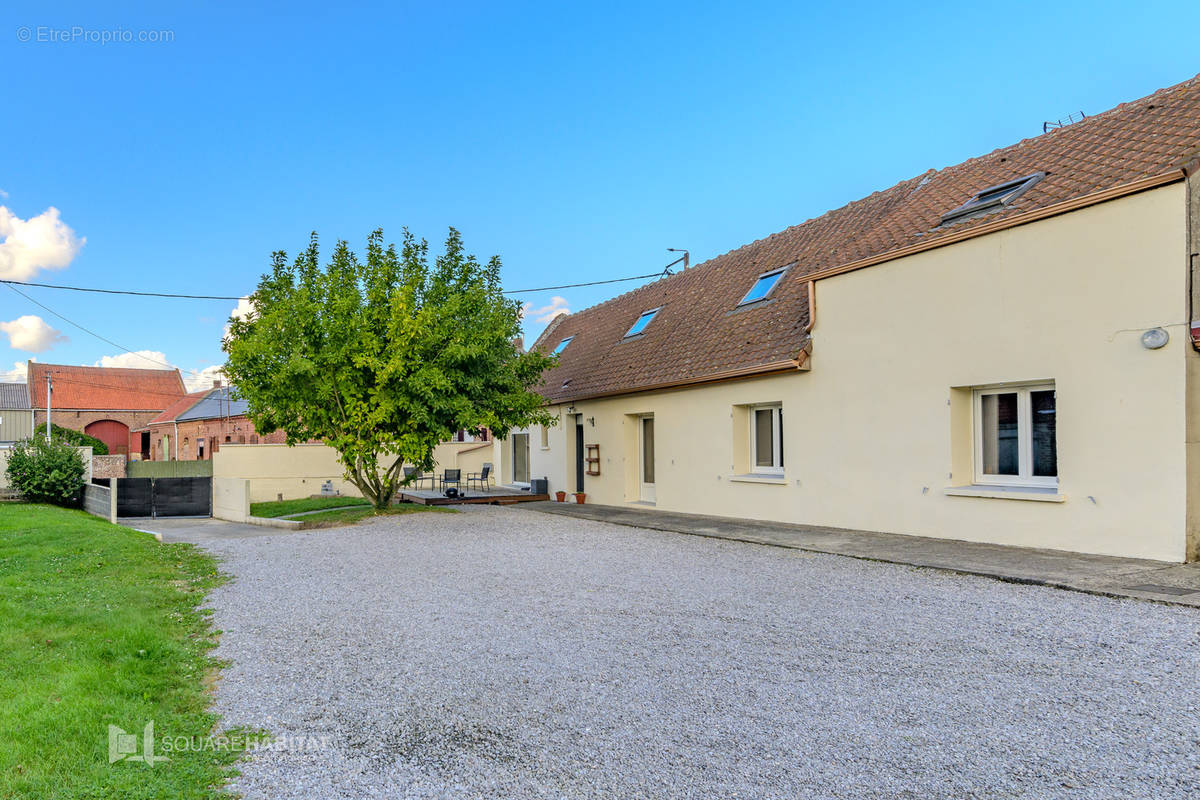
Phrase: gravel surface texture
(510, 654)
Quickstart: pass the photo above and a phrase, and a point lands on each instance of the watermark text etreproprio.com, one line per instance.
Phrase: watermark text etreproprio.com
(78, 34)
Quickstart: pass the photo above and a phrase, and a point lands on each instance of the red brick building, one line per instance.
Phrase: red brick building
(103, 402)
(196, 425)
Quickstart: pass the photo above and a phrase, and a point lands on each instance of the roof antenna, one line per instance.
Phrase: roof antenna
(685, 259)
(1073, 117)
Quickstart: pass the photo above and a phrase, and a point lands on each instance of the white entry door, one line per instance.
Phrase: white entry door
(646, 445)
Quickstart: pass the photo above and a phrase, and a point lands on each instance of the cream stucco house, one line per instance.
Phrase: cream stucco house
(1000, 351)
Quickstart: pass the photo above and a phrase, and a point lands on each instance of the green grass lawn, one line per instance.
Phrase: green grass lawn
(347, 516)
(281, 508)
(99, 626)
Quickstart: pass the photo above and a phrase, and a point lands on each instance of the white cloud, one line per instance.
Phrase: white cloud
(139, 359)
(193, 380)
(3, 194)
(545, 314)
(32, 334)
(17, 374)
(34, 244)
(203, 379)
(241, 311)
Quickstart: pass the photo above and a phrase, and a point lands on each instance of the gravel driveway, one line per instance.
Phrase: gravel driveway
(511, 654)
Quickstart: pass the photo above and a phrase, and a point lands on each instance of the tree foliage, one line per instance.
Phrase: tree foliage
(46, 472)
(384, 357)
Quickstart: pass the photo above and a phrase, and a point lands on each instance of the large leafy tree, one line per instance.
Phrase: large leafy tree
(383, 357)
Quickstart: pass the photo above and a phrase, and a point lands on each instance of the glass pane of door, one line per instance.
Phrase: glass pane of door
(648, 450)
(520, 457)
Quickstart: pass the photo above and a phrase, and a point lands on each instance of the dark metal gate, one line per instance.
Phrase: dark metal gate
(182, 497)
(135, 497)
(164, 497)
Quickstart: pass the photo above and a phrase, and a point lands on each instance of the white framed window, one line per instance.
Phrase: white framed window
(1015, 435)
(562, 345)
(766, 439)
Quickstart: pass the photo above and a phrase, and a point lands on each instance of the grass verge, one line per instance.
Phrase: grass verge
(346, 516)
(100, 625)
(282, 508)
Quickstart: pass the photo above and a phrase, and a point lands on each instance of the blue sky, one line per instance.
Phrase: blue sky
(577, 141)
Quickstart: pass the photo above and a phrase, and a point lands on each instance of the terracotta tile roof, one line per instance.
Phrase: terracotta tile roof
(104, 388)
(179, 407)
(699, 334)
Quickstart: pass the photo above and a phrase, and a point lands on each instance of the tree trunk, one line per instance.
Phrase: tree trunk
(378, 489)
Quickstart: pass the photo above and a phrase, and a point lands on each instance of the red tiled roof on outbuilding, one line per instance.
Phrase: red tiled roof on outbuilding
(105, 388)
(185, 403)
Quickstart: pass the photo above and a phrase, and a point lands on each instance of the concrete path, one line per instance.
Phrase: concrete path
(300, 514)
(1106, 575)
(197, 530)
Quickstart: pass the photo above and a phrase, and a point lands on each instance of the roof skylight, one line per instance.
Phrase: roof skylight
(763, 286)
(562, 345)
(642, 322)
(992, 197)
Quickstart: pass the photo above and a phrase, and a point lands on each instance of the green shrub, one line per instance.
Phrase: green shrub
(46, 472)
(77, 438)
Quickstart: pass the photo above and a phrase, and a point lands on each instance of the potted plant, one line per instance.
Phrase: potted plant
(560, 497)
(579, 497)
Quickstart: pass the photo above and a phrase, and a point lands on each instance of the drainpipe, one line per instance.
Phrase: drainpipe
(176, 458)
(812, 307)
(1193, 245)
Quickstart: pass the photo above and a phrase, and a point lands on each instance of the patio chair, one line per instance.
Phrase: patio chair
(451, 477)
(482, 478)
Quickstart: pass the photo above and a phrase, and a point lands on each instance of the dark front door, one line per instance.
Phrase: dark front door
(579, 453)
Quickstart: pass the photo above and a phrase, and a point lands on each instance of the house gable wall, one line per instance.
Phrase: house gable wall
(873, 436)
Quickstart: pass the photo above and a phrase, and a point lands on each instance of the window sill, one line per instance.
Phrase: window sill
(779, 480)
(1043, 494)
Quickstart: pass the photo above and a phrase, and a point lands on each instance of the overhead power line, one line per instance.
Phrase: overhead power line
(119, 291)
(65, 379)
(94, 290)
(142, 356)
(589, 283)
(11, 284)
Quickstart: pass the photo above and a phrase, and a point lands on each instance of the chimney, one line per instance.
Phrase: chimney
(216, 383)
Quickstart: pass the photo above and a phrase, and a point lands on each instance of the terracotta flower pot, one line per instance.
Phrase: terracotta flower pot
(579, 497)
(560, 497)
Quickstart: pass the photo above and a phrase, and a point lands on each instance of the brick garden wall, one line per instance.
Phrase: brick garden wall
(108, 466)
